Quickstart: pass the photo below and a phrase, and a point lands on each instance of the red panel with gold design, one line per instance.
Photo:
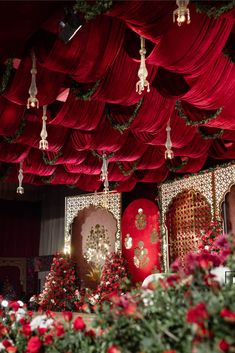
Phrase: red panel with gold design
(141, 244)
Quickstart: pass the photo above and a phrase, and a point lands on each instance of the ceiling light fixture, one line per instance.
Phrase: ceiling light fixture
(69, 27)
(182, 12)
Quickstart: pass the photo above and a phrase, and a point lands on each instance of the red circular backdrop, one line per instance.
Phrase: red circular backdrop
(141, 221)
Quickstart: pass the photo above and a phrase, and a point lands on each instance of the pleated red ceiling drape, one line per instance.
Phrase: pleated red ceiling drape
(88, 86)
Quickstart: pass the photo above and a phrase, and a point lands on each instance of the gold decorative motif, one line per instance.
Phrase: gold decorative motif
(98, 245)
(140, 219)
(141, 259)
(154, 236)
(128, 241)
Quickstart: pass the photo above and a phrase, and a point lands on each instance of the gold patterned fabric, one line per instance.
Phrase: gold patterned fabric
(141, 258)
(140, 219)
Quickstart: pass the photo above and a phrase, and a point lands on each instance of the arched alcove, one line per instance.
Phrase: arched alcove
(93, 235)
(188, 215)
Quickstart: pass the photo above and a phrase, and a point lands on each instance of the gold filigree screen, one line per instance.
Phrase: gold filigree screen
(188, 215)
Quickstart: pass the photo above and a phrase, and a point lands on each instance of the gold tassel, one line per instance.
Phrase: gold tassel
(182, 12)
(142, 72)
(104, 172)
(20, 189)
(43, 144)
(32, 100)
(169, 154)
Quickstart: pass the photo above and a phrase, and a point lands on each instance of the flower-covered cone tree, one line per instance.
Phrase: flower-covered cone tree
(60, 285)
(114, 276)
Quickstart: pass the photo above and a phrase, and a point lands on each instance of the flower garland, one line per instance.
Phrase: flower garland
(204, 120)
(77, 90)
(97, 155)
(122, 127)
(130, 171)
(53, 160)
(6, 75)
(178, 167)
(47, 180)
(92, 9)
(18, 133)
(206, 136)
(214, 11)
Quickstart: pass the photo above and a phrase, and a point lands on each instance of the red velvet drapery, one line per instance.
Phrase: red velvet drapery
(186, 64)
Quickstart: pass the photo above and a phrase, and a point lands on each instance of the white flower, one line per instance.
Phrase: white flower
(2, 348)
(20, 313)
(41, 321)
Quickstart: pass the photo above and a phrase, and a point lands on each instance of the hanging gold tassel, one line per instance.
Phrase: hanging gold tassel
(43, 144)
(32, 100)
(104, 172)
(142, 72)
(20, 189)
(182, 12)
(169, 154)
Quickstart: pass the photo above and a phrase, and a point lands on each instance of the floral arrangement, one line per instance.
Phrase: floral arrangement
(114, 277)
(189, 311)
(60, 286)
(208, 239)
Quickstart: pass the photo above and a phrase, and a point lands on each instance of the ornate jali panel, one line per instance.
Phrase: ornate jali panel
(187, 217)
(110, 201)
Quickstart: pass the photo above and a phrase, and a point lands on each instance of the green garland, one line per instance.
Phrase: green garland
(229, 55)
(201, 172)
(18, 133)
(176, 168)
(47, 180)
(6, 75)
(130, 171)
(52, 161)
(97, 155)
(122, 127)
(91, 9)
(206, 136)
(204, 120)
(77, 90)
(213, 11)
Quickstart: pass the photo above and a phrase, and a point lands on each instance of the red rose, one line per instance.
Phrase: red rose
(42, 330)
(79, 324)
(59, 330)
(67, 315)
(11, 349)
(34, 344)
(228, 315)
(14, 305)
(223, 345)
(113, 349)
(90, 333)
(197, 313)
(6, 343)
(48, 339)
(26, 330)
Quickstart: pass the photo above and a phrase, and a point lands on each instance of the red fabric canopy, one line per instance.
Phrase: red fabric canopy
(89, 88)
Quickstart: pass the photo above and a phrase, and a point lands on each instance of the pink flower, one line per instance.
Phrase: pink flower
(79, 324)
(34, 344)
(197, 313)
